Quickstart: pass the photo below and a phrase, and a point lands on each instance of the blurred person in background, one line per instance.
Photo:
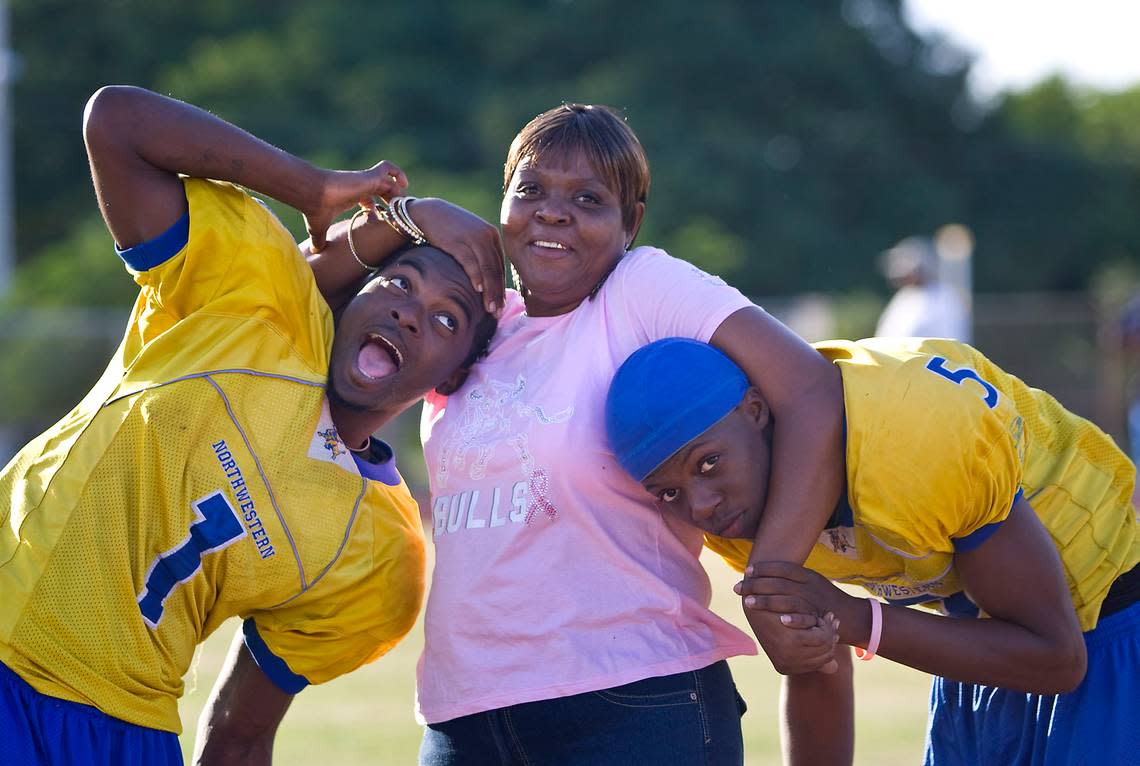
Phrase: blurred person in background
(923, 305)
(224, 464)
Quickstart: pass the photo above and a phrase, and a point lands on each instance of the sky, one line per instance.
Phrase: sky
(1020, 42)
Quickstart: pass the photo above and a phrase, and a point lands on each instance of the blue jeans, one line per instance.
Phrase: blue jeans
(687, 718)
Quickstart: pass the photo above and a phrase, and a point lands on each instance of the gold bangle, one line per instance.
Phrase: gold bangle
(388, 215)
(352, 247)
(411, 223)
(398, 209)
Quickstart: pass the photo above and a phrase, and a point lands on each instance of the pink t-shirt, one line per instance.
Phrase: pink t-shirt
(554, 572)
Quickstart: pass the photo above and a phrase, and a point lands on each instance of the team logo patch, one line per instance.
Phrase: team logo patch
(327, 446)
(332, 442)
(840, 540)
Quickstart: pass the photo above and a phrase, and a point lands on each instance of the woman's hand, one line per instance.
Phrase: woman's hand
(470, 240)
(341, 190)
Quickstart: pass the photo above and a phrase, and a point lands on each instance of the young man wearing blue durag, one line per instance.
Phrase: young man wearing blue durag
(968, 492)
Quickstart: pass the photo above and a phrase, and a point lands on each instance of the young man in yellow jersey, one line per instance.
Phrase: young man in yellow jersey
(967, 491)
(224, 464)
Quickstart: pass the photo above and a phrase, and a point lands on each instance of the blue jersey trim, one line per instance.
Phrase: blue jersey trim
(842, 516)
(960, 605)
(155, 252)
(975, 538)
(272, 665)
(978, 536)
(957, 604)
(385, 473)
(924, 598)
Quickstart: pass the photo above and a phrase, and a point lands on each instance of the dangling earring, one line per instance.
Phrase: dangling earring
(516, 279)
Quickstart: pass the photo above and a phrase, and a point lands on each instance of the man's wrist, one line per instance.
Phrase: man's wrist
(855, 622)
(313, 187)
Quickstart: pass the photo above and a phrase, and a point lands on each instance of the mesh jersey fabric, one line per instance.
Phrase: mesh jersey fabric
(930, 464)
(200, 479)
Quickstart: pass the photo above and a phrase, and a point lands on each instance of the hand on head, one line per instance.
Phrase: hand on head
(472, 242)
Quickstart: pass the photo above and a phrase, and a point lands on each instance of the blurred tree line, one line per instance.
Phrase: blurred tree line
(789, 141)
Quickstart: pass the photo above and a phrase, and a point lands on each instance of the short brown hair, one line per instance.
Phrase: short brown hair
(600, 133)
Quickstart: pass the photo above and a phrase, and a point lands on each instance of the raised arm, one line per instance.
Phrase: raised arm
(473, 242)
(138, 142)
(805, 393)
(240, 720)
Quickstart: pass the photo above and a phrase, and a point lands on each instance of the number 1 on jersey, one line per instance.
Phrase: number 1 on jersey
(217, 526)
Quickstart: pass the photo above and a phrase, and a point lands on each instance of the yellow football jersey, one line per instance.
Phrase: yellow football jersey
(201, 479)
(939, 442)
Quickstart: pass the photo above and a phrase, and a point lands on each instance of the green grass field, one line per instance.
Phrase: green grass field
(366, 717)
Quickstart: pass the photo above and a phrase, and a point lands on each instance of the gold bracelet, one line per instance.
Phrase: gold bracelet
(390, 217)
(352, 247)
(398, 208)
(408, 219)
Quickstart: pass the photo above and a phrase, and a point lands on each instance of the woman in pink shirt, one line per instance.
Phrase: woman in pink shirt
(568, 619)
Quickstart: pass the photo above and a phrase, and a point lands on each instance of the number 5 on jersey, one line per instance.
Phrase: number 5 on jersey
(218, 526)
(937, 365)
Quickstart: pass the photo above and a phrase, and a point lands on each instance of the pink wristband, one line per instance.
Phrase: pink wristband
(868, 654)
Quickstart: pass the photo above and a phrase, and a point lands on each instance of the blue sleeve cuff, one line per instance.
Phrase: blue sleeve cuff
(155, 252)
(272, 665)
(980, 535)
(960, 605)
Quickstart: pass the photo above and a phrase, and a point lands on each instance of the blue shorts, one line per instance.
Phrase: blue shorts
(38, 730)
(1096, 723)
(683, 718)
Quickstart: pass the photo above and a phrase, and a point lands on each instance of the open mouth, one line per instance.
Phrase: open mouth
(378, 357)
(548, 244)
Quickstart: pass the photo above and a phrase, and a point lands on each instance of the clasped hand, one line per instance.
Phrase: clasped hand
(792, 610)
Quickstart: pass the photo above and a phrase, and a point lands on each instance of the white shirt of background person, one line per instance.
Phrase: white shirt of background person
(922, 307)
